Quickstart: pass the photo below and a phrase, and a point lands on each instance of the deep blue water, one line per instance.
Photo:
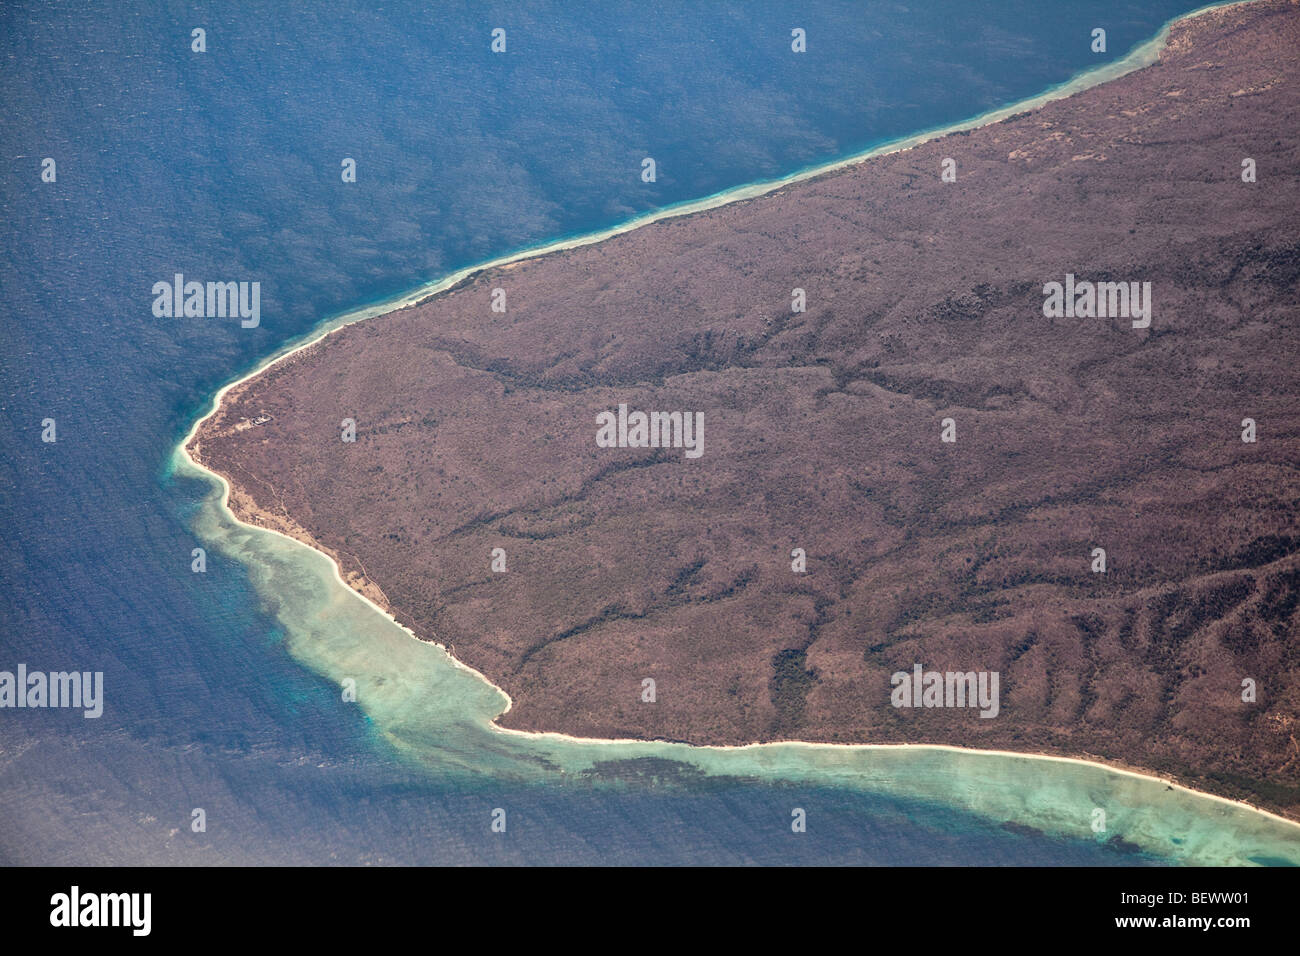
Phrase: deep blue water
(225, 165)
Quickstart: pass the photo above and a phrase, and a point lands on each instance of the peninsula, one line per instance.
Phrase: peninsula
(1019, 402)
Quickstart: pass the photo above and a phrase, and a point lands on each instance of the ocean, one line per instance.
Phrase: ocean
(222, 688)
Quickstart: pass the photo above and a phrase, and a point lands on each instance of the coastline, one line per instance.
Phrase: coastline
(1142, 56)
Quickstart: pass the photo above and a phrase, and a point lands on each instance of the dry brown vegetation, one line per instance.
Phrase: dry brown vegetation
(476, 431)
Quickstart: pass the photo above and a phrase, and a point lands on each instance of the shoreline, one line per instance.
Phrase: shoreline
(1143, 55)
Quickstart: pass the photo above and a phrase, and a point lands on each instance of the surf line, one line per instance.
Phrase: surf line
(1140, 57)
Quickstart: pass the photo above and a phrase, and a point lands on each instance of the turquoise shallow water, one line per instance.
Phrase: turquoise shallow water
(437, 714)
